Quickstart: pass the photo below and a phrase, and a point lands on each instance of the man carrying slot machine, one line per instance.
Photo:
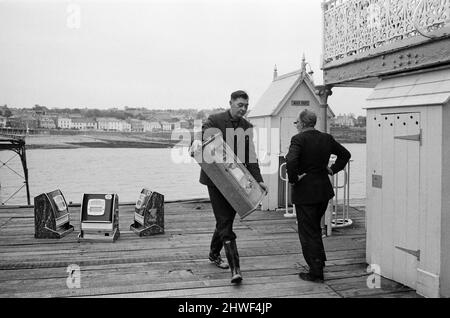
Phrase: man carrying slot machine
(307, 167)
(228, 123)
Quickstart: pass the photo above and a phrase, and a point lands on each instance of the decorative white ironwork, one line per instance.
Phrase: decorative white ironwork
(353, 27)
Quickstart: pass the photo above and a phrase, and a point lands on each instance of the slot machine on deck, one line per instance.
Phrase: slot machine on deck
(149, 214)
(99, 218)
(51, 216)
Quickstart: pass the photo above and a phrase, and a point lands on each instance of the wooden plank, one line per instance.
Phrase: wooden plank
(387, 210)
(374, 195)
(201, 266)
(357, 286)
(431, 195)
(131, 243)
(4, 221)
(121, 284)
(254, 288)
(413, 126)
(399, 294)
(400, 203)
(163, 256)
(160, 271)
(445, 206)
(176, 264)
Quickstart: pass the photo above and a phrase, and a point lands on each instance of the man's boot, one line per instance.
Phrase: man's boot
(233, 260)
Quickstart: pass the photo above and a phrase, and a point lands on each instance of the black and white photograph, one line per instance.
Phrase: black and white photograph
(225, 153)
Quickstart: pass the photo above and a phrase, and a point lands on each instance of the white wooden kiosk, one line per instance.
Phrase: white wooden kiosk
(277, 110)
(408, 180)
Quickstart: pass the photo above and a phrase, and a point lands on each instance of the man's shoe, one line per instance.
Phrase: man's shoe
(236, 277)
(217, 260)
(311, 278)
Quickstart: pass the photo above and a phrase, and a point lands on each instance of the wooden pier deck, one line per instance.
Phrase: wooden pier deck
(175, 264)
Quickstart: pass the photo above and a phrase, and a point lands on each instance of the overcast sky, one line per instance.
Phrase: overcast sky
(156, 54)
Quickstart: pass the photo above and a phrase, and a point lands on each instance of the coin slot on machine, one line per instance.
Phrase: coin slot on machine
(51, 216)
(99, 217)
(149, 214)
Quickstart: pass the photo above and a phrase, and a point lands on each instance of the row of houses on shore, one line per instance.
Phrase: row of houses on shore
(348, 120)
(3, 121)
(86, 124)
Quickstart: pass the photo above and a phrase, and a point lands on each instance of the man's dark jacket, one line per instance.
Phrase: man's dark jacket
(222, 121)
(310, 153)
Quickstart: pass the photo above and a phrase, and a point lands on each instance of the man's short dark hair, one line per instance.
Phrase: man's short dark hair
(308, 118)
(239, 94)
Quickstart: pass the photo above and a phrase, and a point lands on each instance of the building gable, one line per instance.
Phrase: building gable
(277, 92)
(280, 94)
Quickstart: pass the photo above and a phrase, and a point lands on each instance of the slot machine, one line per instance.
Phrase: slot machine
(149, 214)
(99, 219)
(51, 216)
(230, 176)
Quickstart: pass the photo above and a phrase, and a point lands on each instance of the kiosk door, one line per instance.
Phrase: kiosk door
(287, 131)
(401, 139)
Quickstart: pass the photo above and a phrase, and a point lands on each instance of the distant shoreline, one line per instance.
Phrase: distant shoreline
(157, 140)
(79, 145)
(99, 140)
(349, 135)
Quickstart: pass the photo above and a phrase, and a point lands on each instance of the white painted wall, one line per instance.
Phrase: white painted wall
(267, 149)
(430, 200)
(303, 93)
(279, 146)
(385, 225)
(445, 224)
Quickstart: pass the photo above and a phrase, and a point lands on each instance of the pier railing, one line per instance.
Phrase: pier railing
(353, 28)
(17, 145)
(337, 215)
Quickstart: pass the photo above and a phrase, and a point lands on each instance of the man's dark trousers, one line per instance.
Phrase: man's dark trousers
(224, 214)
(310, 234)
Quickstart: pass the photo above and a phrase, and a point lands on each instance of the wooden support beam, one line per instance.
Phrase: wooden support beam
(433, 53)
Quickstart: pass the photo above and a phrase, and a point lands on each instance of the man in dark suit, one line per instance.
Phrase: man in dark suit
(229, 123)
(308, 170)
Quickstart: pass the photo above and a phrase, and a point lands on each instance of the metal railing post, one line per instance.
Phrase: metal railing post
(344, 220)
(286, 195)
